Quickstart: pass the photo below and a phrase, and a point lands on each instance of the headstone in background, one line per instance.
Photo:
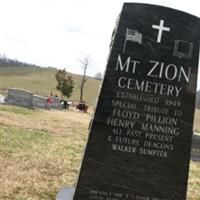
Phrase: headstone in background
(140, 139)
(39, 101)
(198, 99)
(56, 102)
(195, 150)
(2, 99)
(19, 97)
(25, 98)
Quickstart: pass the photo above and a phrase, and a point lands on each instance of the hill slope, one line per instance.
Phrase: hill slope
(42, 81)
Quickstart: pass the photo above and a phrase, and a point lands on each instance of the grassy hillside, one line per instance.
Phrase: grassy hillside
(42, 81)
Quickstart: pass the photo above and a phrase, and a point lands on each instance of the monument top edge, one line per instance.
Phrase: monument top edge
(158, 6)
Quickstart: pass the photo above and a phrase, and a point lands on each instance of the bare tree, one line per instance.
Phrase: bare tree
(85, 63)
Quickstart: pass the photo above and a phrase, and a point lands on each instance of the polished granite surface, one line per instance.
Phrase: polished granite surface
(140, 139)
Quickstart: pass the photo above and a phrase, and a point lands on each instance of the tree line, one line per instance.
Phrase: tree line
(8, 62)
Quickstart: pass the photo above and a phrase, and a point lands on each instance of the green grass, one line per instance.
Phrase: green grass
(42, 81)
(15, 140)
(20, 110)
(29, 168)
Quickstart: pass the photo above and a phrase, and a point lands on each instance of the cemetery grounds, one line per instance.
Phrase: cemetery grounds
(41, 151)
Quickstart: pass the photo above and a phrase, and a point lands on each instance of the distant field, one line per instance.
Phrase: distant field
(42, 81)
(40, 151)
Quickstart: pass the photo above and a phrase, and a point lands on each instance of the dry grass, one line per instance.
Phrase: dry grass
(41, 151)
(197, 121)
(194, 182)
(53, 121)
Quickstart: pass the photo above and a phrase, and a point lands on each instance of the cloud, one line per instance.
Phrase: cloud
(16, 40)
(73, 29)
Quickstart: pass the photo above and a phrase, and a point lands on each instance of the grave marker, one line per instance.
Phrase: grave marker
(19, 97)
(140, 139)
(195, 150)
(39, 101)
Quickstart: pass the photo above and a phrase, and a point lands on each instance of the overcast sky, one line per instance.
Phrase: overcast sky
(58, 33)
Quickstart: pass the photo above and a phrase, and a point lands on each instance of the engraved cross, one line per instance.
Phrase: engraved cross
(160, 28)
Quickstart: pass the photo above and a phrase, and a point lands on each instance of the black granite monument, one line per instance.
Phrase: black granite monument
(140, 139)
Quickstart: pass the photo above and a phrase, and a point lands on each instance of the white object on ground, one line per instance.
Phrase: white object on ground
(65, 193)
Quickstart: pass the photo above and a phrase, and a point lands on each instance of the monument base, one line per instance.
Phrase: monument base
(65, 193)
